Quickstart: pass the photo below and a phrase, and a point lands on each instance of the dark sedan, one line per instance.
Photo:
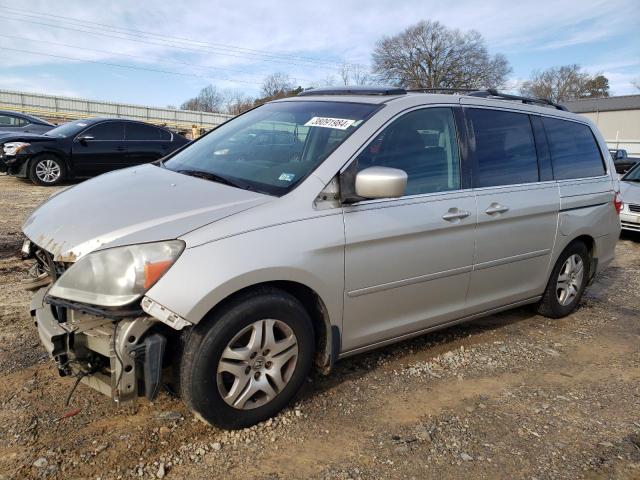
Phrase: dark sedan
(14, 122)
(84, 148)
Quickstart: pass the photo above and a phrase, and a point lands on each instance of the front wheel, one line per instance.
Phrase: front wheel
(248, 360)
(46, 170)
(567, 283)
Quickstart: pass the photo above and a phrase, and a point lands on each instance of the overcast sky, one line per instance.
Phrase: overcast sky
(235, 44)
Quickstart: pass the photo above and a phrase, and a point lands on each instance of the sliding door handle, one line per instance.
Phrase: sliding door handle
(496, 208)
(455, 214)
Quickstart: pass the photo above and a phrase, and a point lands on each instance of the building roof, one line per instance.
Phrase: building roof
(607, 104)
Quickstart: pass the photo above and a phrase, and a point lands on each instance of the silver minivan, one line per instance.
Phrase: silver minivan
(313, 228)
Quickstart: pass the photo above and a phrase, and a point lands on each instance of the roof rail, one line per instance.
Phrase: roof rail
(493, 93)
(352, 91)
(490, 93)
(442, 90)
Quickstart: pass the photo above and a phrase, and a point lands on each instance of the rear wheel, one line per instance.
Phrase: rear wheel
(246, 362)
(46, 170)
(567, 283)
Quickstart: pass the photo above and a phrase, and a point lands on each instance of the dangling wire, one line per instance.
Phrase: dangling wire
(81, 374)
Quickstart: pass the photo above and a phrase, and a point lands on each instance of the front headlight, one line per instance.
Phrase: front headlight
(117, 276)
(13, 148)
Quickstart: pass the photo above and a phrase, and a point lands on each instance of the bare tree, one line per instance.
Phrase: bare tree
(276, 85)
(564, 83)
(209, 99)
(354, 74)
(236, 102)
(430, 55)
(636, 83)
(328, 81)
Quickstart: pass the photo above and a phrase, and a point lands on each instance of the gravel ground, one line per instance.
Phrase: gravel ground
(513, 395)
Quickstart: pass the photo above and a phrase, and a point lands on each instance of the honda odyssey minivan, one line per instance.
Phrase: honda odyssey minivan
(313, 228)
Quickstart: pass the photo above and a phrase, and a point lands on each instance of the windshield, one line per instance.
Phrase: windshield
(633, 175)
(68, 129)
(274, 147)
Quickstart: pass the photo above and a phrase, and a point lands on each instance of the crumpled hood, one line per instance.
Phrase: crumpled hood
(630, 192)
(136, 205)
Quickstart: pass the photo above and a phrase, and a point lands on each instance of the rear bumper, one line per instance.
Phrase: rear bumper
(119, 358)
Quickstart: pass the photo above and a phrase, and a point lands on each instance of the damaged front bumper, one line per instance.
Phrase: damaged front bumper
(121, 358)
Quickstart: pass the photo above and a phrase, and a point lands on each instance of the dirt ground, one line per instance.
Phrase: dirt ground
(513, 395)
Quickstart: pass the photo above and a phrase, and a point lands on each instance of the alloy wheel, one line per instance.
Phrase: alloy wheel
(570, 280)
(257, 364)
(48, 171)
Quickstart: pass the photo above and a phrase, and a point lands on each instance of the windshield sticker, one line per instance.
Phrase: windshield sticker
(327, 122)
(286, 177)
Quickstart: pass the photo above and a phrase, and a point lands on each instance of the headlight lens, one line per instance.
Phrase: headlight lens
(117, 276)
(13, 148)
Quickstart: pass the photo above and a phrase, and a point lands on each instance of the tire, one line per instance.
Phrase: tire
(47, 170)
(555, 302)
(263, 382)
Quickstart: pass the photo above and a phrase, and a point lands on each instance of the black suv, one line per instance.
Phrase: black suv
(84, 148)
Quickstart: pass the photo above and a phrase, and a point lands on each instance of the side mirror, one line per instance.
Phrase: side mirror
(381, 182)
(85, 138)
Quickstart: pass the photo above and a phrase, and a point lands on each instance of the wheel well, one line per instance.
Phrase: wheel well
(48, 154)
(314, 306)
(589, 243)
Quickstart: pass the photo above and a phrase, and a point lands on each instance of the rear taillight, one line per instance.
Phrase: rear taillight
(617, 202)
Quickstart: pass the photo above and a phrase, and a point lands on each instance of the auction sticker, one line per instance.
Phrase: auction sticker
(286, 177)
(328, 122)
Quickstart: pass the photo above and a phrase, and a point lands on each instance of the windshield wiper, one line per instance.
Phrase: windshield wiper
(214, 177)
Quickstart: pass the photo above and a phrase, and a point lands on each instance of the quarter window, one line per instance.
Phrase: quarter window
(423, 143)
(574, 151)
(107, 131)
(505, 151)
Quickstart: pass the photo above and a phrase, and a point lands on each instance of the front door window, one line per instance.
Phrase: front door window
(423, 143)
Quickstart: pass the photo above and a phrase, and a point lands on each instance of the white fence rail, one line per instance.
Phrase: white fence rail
(59, 108)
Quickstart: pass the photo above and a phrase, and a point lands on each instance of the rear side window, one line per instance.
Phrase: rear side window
(140, 131)
(11, 121)
(574, 151)
(107, 131)
(505, 151)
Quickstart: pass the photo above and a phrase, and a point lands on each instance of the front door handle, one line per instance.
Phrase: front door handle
(454, 214)
(496, 208)
(120, 149)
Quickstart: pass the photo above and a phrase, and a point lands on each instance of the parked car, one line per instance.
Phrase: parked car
(403, 213)
(85, 148)
(630, 193)
(14, 122)
(622, 160)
